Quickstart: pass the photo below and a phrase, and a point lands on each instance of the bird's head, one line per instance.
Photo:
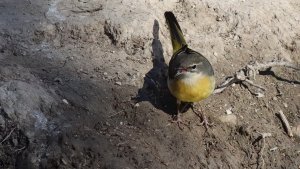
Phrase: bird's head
(190, 69)
(189, 63)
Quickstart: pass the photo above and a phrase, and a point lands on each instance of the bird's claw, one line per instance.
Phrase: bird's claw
(205, 123)
(204, 119)
(180, 123)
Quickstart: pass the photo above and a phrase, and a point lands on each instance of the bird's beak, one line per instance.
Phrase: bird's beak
(181, 70)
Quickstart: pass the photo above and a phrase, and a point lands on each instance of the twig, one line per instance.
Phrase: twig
(160, 160)
(88, 10)
(251, 70)
(286, 123)
(224, 85)
(259, 66)
(19, 149)
(8, 135)
(255, 85)
(261, 152)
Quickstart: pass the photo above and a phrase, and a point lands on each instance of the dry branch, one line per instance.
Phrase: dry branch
(251, 70)
(88, 10)
(8, 135)
(261, 152)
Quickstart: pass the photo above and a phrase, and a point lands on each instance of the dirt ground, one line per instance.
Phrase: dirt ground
(83, 84)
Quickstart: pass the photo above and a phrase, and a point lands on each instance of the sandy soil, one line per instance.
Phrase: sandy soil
(83, 84)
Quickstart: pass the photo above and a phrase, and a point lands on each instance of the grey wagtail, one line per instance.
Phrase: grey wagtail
(190, 75)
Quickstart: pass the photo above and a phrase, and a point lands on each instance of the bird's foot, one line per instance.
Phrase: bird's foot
(204, 119)
(206, 123)
(180, 123)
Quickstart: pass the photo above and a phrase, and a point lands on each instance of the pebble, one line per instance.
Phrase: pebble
(219, 18)
(64, 161)
(285, 105)
(58, 80)
(259, 95)
(118, 83)
(230, 119)
(236, 37)
(274, 149)
(65, 101)
(228, 111)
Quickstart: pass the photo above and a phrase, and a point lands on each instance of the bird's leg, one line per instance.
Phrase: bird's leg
(177, 118)
(202, 116)
(185, 106)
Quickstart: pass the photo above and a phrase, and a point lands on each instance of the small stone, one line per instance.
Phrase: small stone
(285, 105)
(65, 101)
(259, 95)
(228, 111)
(219, 18)
(275, 98)
(274, 149)
(118, 83)
(71, 58)
(230, 119)
(64, 161)
(215, 54)
(236, 37)
(137, 105)
(58, 80)
(121, 123)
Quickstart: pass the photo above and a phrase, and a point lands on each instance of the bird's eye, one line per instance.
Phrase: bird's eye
(194, 66)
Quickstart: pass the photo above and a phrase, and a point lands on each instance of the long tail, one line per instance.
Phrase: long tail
(177, 38)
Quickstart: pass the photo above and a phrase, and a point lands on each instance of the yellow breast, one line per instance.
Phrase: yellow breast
(192, 90)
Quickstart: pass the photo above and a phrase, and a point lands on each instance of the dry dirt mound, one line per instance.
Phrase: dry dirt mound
(83, 84)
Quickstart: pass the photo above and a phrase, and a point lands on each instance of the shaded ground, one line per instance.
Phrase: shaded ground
(83, 85)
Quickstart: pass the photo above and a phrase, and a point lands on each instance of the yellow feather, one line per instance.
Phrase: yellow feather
(187, 92)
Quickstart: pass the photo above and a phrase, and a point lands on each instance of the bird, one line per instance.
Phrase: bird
(190, 75)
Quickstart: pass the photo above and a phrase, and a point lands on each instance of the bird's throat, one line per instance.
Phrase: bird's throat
(192, 88)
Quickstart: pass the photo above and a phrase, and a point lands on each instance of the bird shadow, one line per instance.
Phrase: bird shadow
(155, 88)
